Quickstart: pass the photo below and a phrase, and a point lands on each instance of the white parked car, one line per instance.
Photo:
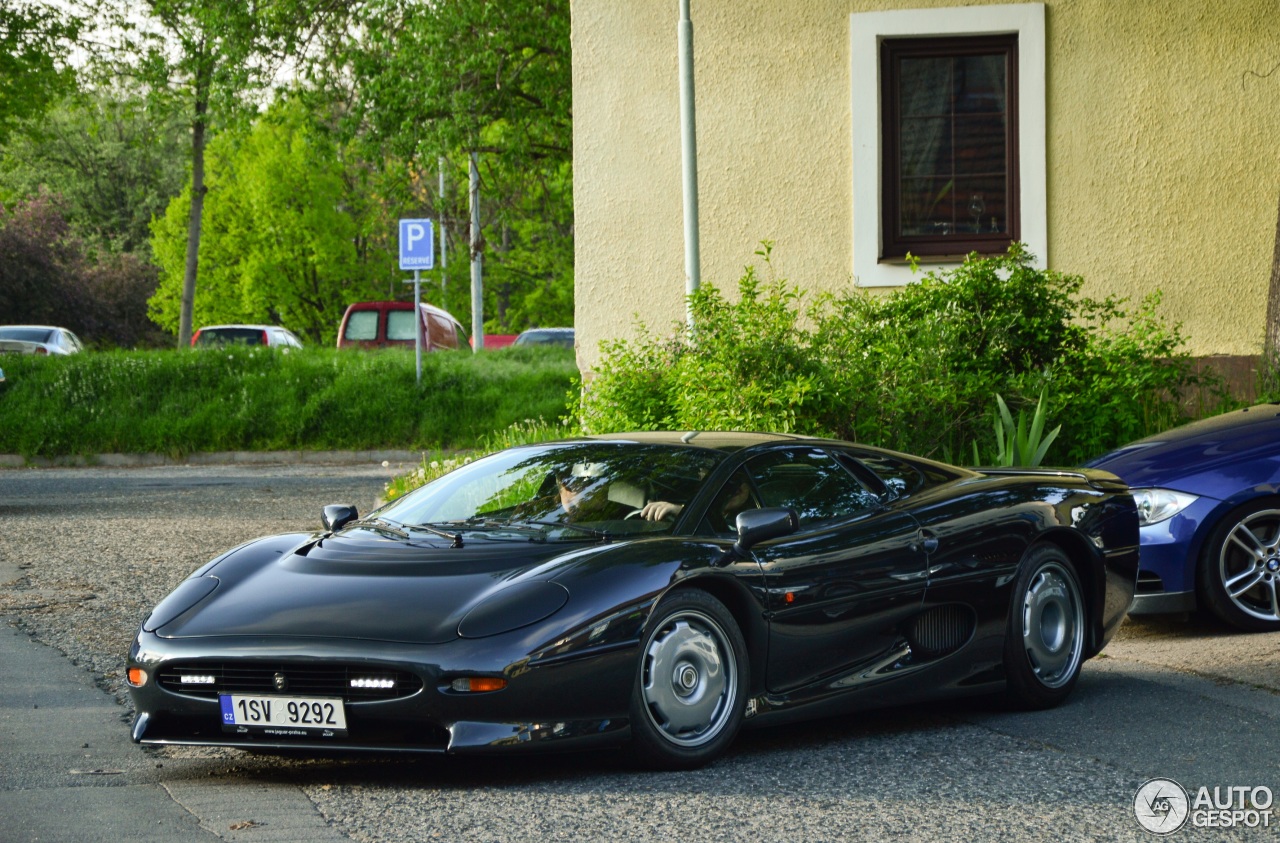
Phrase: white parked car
(38, 339)
(219, 335)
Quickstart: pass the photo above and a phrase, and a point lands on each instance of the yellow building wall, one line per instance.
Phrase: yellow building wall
(1163, 139)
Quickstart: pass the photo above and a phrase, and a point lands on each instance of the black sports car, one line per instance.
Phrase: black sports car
(652, 589)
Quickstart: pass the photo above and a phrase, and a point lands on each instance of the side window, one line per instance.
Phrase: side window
(812, 483)
(362, 325)
(442, 333)
(400, 325)
(737, 495)
(899, 476)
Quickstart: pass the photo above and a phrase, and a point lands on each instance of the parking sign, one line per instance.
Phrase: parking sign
(417, 244)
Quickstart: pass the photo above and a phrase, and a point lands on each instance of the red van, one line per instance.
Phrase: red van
(381, 324)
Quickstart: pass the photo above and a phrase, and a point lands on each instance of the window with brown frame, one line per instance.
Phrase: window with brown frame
(950, 145)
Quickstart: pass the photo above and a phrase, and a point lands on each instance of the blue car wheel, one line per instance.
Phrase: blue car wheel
(1240, 569)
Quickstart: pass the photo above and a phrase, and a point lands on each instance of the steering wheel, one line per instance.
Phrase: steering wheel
(632, 514)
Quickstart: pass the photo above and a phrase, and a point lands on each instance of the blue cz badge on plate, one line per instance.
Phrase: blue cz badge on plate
(228, 713)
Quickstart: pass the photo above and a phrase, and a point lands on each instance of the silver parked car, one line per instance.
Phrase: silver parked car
(38, 339)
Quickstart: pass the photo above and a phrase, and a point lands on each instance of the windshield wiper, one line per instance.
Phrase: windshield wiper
(456, 538)
(380, 526)
(481, 525)
(591, 531)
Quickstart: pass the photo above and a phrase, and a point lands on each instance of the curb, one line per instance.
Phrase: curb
(392, 457)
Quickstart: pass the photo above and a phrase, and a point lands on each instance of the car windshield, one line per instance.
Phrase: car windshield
(574, 491)
(26, 334)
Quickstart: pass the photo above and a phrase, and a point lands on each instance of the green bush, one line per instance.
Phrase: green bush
(178, 402)
(750, 365)
(916, 370)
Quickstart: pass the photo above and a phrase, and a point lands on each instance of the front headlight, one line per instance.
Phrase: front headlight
(515, 606)
(1156, 505)
(188, 593)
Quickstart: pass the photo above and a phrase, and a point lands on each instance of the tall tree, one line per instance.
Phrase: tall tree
(490, 76)
(294, 230)
(213, 59)
(35, 40)
(49, 275)
(115, 162)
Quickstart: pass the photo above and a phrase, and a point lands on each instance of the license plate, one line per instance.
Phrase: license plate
(283, 716)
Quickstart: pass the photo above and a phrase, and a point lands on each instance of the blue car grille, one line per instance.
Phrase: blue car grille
(299, 680)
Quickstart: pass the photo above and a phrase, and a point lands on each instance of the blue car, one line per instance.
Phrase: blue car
(1208, 496)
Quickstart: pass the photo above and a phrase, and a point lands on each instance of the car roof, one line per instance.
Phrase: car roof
(242, 327)
(400, 305)
(721, 440)
(36, 327)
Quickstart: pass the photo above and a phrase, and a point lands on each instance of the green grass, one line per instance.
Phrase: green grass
(181, 402)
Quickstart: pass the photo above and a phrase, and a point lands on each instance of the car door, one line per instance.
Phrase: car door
(975, 531)
(839, 588)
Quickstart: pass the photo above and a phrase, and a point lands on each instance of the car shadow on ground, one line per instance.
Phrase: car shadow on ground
(565, 768)
(1190, 625)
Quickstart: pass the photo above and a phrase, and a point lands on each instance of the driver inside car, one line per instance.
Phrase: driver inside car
(735, 497)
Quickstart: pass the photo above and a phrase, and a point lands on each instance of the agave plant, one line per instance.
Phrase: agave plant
(1019, 442)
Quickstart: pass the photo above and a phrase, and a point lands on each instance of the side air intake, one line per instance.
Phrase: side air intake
(941, 630)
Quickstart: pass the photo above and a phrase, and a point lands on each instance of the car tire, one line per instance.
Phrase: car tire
(691, 683)
(1044, 648)
(1239, 569)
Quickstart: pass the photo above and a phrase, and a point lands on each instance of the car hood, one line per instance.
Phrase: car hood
(1186, 456)
(356, 585)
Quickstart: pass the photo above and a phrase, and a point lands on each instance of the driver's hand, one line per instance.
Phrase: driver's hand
(658, 510)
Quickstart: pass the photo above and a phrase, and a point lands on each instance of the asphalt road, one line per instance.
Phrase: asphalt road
(85, 552)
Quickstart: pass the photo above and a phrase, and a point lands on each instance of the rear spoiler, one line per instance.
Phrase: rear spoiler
(1103, 481)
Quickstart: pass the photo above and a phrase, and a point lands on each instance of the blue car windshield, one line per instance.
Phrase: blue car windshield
(570, 491)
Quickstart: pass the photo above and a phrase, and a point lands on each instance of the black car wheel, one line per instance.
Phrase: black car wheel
(1239, 571)
(690, 685)
(1045, 644)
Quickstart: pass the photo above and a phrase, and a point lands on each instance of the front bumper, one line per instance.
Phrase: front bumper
(1163, 603)
(1167, 560)
(568, 703)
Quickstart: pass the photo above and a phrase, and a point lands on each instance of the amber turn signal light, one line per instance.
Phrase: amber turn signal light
(137, 677)
(477, 684)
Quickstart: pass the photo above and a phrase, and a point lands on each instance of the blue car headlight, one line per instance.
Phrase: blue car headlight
(1156, 505)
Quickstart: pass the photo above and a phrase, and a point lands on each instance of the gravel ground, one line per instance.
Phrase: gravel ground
(94, 549)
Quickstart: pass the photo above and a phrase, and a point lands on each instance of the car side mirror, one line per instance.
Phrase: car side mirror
(335, 516)
(758, 525)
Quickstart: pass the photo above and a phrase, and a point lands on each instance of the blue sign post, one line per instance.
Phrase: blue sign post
(417, 252)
